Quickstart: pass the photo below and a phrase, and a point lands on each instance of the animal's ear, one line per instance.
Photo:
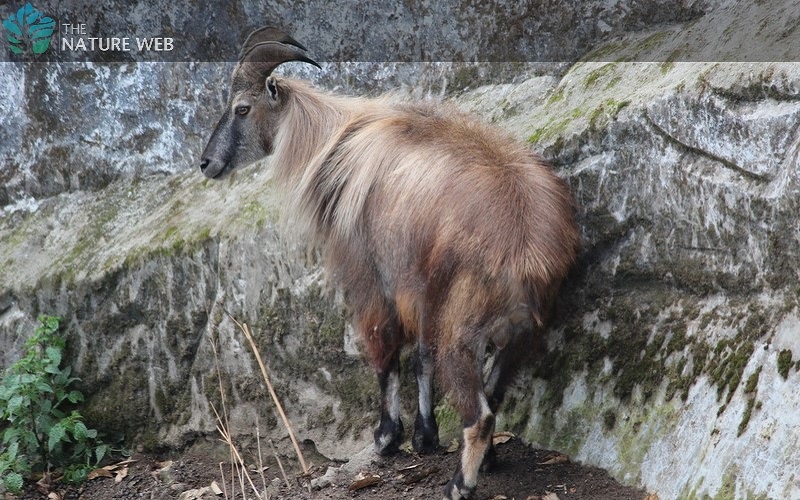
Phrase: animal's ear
(272, 88)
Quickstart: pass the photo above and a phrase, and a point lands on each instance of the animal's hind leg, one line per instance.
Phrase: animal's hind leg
(426, 432)
(461, 367)
(389, 434)
(504, 368)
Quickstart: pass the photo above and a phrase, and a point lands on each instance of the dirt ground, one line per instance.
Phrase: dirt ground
(521, 473)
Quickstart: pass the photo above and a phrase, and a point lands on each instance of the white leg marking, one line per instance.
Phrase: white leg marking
(393, 396)
(425, 404)
(424, 383)
(474, 447)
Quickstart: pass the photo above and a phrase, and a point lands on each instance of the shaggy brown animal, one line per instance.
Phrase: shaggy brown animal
(441, 232)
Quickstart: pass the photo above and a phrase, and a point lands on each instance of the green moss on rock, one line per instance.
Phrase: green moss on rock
(784, 363)
(448, 420)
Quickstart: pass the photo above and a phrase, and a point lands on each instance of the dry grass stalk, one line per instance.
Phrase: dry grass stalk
(246, 330)
(280, 464)
(224, 420)
(238, 467)
(239, 461)
(224, 485)
(260, 460)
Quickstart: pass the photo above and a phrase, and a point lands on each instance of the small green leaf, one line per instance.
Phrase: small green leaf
(75, 397)
(13, 482)
(10, 435)
(56, 435)
(14, 404)
(45, 406)
(43, 387)
(75, 474)
(12, 451)
(79, 431)
(44, 422)
(53, 354)
(49, 324)
(100, 451)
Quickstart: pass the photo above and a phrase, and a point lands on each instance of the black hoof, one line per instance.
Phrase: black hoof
(388, 437)
(456, 490)
(426, 436)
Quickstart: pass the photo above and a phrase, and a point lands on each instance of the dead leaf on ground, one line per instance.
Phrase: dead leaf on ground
(499, 497)
(163, 470)
(195, 494)
(454, 445)
(165, 464)
(109, 470)
(120, 475)
(502, 437)
(103, 472)
(555, 458)
(364, 480)
(417, 475)
(53, 496)
(409, 468)
(651, 496)
(547, 496)
(215, 488)
(118, 465)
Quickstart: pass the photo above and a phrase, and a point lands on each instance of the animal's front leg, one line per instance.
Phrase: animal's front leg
(389, 434)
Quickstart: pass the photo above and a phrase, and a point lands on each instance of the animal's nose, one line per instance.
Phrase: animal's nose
(204, 164)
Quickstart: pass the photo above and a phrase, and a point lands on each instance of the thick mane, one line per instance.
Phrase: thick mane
(327, 189)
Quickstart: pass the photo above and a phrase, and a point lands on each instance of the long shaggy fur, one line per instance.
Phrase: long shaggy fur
(433, 224)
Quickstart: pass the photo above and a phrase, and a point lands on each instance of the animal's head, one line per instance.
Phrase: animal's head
(256, 103)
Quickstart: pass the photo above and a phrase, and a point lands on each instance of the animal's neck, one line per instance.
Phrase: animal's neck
(313, 119)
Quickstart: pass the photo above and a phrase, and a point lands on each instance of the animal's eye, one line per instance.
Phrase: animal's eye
(242, 110)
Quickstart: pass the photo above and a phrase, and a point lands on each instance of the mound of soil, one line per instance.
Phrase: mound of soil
(521, 473)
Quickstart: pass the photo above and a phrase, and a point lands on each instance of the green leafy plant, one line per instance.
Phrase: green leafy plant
(39, 432)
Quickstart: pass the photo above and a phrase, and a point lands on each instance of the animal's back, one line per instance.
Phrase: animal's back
(436, 190)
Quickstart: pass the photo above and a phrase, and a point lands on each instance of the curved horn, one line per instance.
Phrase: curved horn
(270, 47)
(268, 34)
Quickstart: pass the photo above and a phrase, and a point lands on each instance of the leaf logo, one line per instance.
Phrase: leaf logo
(29, 29)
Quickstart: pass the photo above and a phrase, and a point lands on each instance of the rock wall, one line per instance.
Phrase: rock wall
(149, 275)
(673, 356)
(674, 348)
